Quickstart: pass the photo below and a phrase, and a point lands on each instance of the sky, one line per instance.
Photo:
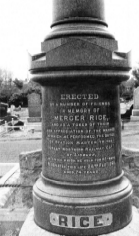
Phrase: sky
(25, 23)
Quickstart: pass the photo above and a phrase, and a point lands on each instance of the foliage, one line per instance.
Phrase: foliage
(33, 87)
(18, 83)
(15, 91)
(16, 99)
(127, 89)
(5, 85)
(135, 74)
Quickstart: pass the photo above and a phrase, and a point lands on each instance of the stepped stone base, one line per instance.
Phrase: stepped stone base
(31, 229)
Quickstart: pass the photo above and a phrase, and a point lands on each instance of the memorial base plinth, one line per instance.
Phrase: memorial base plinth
(29, 227)
(83, 210)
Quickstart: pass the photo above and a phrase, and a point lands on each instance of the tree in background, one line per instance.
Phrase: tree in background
(5, 85)
(15, 91)
(127, 89)
(20, 97)
(33, 87)
(18, 83)
(135, 74)
(16, 99)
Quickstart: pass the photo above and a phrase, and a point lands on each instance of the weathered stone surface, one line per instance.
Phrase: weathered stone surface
(29, 177)
(81, 125)
(30, 160)
(27, 198)
(34, 105)
(136, 98)
(131, 169)
(30, 169)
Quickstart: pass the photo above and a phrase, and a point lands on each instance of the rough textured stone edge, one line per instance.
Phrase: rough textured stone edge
(29, 227)
(31, 152)
(130, 151)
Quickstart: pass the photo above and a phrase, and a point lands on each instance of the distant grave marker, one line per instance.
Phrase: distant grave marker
(34, 107)
(136, 98)
(3, 109)
(135, 111)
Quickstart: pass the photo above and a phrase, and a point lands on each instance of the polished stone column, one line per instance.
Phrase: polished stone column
(82, 190)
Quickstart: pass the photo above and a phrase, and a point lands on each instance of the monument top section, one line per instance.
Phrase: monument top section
(81, 43)
(78, 10)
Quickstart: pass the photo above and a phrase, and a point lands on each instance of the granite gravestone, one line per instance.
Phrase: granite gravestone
(136, 98)
(135, 111)
(82, 190)
(34, 107)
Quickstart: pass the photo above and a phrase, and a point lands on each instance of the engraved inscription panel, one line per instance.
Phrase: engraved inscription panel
(80, 135)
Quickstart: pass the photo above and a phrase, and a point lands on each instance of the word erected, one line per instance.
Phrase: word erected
(79, 96)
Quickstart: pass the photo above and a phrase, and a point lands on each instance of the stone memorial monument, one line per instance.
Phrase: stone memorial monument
(135, 111)
(82, 189)
(34, 107)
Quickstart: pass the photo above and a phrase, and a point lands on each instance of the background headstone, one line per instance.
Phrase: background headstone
(136, 98)
(3, 109)
(34, 107)
(135, 111)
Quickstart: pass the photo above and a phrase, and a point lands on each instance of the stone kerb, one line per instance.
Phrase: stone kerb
(30, 169)
(130, 158)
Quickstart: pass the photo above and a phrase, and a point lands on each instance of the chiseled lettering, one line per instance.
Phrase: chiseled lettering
(84, 221)
(98, 117)
(93, 96)
(70, 118)
(79, 96)
(63, 220)
(81, 222)
(98, 221)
